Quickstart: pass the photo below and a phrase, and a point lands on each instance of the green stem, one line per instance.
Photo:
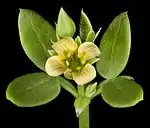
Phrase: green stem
(84, 118)
(81, 90)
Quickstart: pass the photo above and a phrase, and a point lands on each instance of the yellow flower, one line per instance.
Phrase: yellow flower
(74, 61)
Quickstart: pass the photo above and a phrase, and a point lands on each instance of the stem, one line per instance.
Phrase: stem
(67, 86)
(81, 90)
(84, 118)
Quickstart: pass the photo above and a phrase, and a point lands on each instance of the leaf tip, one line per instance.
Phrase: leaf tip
(8, 96)
(62, 10)
(82, 10)
(20, 9)
(125, 14)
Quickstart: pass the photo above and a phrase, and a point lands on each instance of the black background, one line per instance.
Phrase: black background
(60, 112)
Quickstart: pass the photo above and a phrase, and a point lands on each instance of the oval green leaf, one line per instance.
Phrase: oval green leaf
(85, 26)
(32, 90)
(121, 92)
(36, 35)
(66, 26)
(115, 47)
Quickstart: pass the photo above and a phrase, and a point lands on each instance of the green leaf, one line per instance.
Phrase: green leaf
(80, 104)
(67, 86)
(32, 90)
(115, 47)
(85, 26)
(66, 26)
(121, 92)
(128, 77)
(35, 35)
(90, 36)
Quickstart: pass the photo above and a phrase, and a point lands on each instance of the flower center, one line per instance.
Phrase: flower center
(74, 63)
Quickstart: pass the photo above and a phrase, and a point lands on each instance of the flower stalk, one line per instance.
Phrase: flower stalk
(84, 118)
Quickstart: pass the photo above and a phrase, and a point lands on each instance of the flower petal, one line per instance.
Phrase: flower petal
(65, 47)
(68, 74)
(88, 50)
(87, 74)
(55, 66)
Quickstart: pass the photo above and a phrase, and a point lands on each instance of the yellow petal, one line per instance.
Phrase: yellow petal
(88, 50)
(87, 74)
(65, 47)
(68, 73)
(55, 66)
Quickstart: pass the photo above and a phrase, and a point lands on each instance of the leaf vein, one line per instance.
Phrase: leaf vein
(37, 37)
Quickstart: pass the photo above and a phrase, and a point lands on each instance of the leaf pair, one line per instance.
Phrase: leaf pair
(37, 37)
(115, 49)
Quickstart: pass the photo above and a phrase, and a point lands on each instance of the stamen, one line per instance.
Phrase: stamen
(78, 68)
(67, 63)
(82, 61)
